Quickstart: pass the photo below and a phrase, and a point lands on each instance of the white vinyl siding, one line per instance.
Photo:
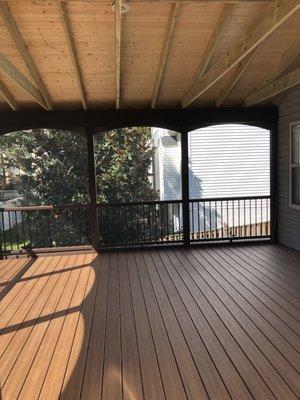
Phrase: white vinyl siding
(229, 161)
(288, 217)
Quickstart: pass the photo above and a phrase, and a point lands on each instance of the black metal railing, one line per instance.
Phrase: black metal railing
(140, 223)
(25, 228)
(134, 223)
(230, 218)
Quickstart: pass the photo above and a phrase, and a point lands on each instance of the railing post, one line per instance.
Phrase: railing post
(2, 223)
(274, 180)
(185, 187)
(92, 188)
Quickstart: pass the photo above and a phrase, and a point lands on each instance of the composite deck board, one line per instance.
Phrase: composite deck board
(287, 288)
(10, 271)
(213, 323)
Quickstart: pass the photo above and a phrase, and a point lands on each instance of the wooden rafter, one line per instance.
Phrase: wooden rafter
(232, 82)
(176, 1)
(276, 14)
(280, 85)
(13, 73)
(5, 93)
(118, 32)
(164, 51)
(285, 61)
(213, 41)
(23, 49)
(72, 48)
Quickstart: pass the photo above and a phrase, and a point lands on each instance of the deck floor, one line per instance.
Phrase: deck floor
(202, 323)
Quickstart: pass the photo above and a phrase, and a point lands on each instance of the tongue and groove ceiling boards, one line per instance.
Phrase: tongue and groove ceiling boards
(98, 54)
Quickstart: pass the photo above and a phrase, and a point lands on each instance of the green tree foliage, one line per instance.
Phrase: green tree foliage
(54, 170)
(54, 166)
(123, 157)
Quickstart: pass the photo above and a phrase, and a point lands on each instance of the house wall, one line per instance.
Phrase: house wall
(288, 218)
(229, 161)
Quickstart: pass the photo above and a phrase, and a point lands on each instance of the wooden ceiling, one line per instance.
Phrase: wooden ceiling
(140, 54)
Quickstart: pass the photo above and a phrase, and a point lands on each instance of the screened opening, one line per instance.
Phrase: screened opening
(44, 189)
(229, 182)
(138, 173)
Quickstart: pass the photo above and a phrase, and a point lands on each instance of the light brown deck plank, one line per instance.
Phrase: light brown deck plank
(225, 332)
(11, 272)
(73, 322)
(225, 270)
(212, 323)
(25, 298)
(131, 370)
(151, 374)
(72, 381)
(288, 256)
(199, 367)
(270, 287)
(25, 319)
(282, 265)
(169, 364)
(24, 364)
(289, 292)
(281, 307)
(93, 373)
(112, 374)
(283, 369)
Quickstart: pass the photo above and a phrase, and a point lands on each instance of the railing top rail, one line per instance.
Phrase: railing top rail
(230, 198)
(137, 203)
(132, 203)
(44, 208)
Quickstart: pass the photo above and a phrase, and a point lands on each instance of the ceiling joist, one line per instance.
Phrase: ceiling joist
(118, 33)
(276, 14)
(232, 82)
(282, 84)
(174, 1)
(285, 61)
(5, 93)
(23, 49)
(164, 51)
(77, 71)
(13, 73)
(213, 40)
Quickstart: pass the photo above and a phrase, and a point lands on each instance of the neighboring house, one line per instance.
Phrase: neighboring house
(9, 198)
(224, 161)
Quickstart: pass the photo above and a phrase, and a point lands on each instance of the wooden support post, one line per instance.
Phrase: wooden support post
(274, 181)
(92, 189)
(185, 188)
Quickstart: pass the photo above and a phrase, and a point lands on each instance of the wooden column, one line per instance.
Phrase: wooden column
(185, 187)
(274, 180)
(92, 189)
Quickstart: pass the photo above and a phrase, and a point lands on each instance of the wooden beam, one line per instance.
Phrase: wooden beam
(285, 61)
(281, 85)
(232, 82)
(118, 33)
(164, 51)
(213, 41)
(22, 47)
(72, 48)
(8, 96)
(176, 1)
(203, 1)
(13, 73)
(276, 14)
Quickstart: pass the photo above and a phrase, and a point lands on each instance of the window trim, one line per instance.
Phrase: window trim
(291, 166)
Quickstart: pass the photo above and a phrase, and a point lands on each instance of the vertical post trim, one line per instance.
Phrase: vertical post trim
(185, 187)
(92, 188)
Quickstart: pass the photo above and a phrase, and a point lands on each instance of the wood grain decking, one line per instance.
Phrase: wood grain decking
(214, 323)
